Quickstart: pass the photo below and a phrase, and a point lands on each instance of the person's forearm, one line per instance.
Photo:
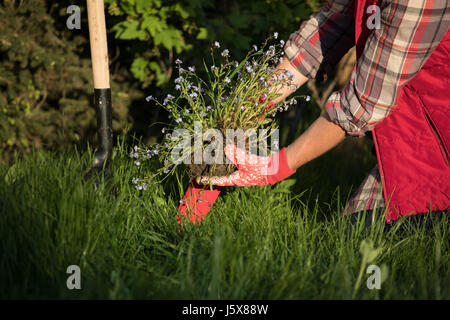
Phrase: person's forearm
(320, 137)
(299, 80)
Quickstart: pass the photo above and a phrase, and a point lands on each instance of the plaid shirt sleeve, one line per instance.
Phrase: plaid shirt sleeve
(410, 31)
(323, 39)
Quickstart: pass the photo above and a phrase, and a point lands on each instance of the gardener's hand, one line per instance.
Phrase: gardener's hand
(252, 169)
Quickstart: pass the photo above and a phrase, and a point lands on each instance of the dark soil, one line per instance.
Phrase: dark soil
(196, 170)
(222, 169)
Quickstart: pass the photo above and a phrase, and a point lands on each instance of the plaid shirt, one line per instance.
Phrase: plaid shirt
(408, 34)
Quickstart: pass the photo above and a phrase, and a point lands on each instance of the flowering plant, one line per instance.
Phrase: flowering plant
(235, 96)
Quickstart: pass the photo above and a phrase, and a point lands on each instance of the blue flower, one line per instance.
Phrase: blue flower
(216, 44)
(134, 155)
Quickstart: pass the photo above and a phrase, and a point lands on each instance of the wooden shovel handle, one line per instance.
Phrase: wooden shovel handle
(99, 46)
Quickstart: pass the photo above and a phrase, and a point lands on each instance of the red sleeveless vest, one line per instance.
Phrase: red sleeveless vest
(412, 143)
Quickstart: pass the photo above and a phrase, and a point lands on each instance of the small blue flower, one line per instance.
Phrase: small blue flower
(226, 53)
(178, 80)
(168, 98)
(216, 44)
(150, 97)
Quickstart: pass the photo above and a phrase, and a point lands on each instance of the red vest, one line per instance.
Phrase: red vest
(412, 143)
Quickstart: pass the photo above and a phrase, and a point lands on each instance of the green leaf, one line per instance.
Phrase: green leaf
(183, 13)
(139, 68)
(170, 38)
(161, 77)
(142, 6)
(283, 186)
(203, 34)
(153, 25)
(129, 30)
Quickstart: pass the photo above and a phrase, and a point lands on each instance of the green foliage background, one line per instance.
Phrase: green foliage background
(46, 88)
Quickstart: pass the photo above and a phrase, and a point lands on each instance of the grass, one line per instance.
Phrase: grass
(280, 242)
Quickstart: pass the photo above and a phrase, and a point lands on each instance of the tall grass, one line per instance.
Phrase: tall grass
(281, 242)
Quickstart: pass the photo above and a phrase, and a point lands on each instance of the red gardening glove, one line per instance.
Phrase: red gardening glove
(252, 169)
(196, 203)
